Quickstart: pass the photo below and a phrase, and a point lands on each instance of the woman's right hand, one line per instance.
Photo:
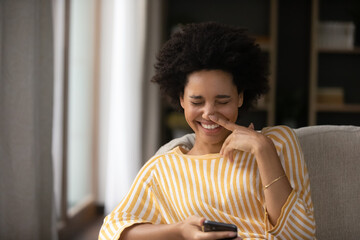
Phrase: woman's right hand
(191, 230)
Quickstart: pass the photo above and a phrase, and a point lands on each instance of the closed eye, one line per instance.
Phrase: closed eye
(196, 103)
(226, 102)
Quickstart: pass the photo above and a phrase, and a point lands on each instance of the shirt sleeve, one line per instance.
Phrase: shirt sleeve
(296, 220)
(138, 206)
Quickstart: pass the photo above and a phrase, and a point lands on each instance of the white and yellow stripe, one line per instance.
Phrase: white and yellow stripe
(173, 186)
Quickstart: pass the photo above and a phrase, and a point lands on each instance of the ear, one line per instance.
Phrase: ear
(182, 101)
(241, 99)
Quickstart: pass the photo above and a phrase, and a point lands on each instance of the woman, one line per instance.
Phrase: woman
(255, 180)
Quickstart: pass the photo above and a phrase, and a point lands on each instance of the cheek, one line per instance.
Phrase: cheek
(231, 113)
(190, 113)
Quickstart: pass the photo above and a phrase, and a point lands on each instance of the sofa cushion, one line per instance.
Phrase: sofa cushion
(332, 154)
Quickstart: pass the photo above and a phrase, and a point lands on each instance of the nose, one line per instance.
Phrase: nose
(209, 109)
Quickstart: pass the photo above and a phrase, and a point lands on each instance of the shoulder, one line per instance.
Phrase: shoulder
(281, 135)
(187, 141)
(281, 129)
(153, 162)
(154, 167)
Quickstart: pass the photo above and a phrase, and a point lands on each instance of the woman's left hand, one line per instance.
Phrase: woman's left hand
(242, 138)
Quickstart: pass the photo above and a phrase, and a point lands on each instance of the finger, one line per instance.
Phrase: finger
(199, 221)
(196, 220)
(219, 235)
(228, 153)
(225, 144)
(225, 147)
(231, 155)
(202, 220)
(223, 122)
(251, 126)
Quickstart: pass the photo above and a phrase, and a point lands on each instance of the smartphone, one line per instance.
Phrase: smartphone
(211, 226)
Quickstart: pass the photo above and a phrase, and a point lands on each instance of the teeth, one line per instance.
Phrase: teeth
(213, 126)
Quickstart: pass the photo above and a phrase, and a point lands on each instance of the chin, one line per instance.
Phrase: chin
(212, 139)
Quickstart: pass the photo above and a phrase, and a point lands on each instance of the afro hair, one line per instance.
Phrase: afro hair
(212, 46)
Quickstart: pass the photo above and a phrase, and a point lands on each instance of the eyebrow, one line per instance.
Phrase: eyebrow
(217, 96)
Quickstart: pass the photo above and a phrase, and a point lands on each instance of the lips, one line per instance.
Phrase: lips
(209, 126)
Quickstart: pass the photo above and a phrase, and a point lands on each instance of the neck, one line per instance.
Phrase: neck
(202, 149)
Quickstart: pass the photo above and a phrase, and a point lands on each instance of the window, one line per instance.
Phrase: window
(75, 112)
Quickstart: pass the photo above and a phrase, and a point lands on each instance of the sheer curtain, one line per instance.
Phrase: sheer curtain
(124, 152)
(26, 93)
(133, 105)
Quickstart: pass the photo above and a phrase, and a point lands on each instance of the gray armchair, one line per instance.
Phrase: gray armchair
(332, 154)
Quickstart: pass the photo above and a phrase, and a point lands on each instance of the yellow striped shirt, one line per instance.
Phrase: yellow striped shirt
(173, 186)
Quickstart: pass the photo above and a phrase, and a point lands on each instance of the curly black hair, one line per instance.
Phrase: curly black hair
(212, 46)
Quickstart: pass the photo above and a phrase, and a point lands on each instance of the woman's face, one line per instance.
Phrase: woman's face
(210, 92)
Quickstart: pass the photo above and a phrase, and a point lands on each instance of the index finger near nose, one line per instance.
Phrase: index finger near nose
(223, 122)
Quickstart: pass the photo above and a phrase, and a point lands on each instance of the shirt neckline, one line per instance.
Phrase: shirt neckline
(179, 150)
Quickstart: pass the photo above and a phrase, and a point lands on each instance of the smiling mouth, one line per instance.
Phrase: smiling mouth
(210, 126)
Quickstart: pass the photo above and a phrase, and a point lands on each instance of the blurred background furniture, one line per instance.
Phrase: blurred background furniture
(332, 154)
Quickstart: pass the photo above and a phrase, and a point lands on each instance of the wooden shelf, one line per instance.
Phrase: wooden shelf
(320, 107)
(355, 50)
(317, 54)
(264, 42)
